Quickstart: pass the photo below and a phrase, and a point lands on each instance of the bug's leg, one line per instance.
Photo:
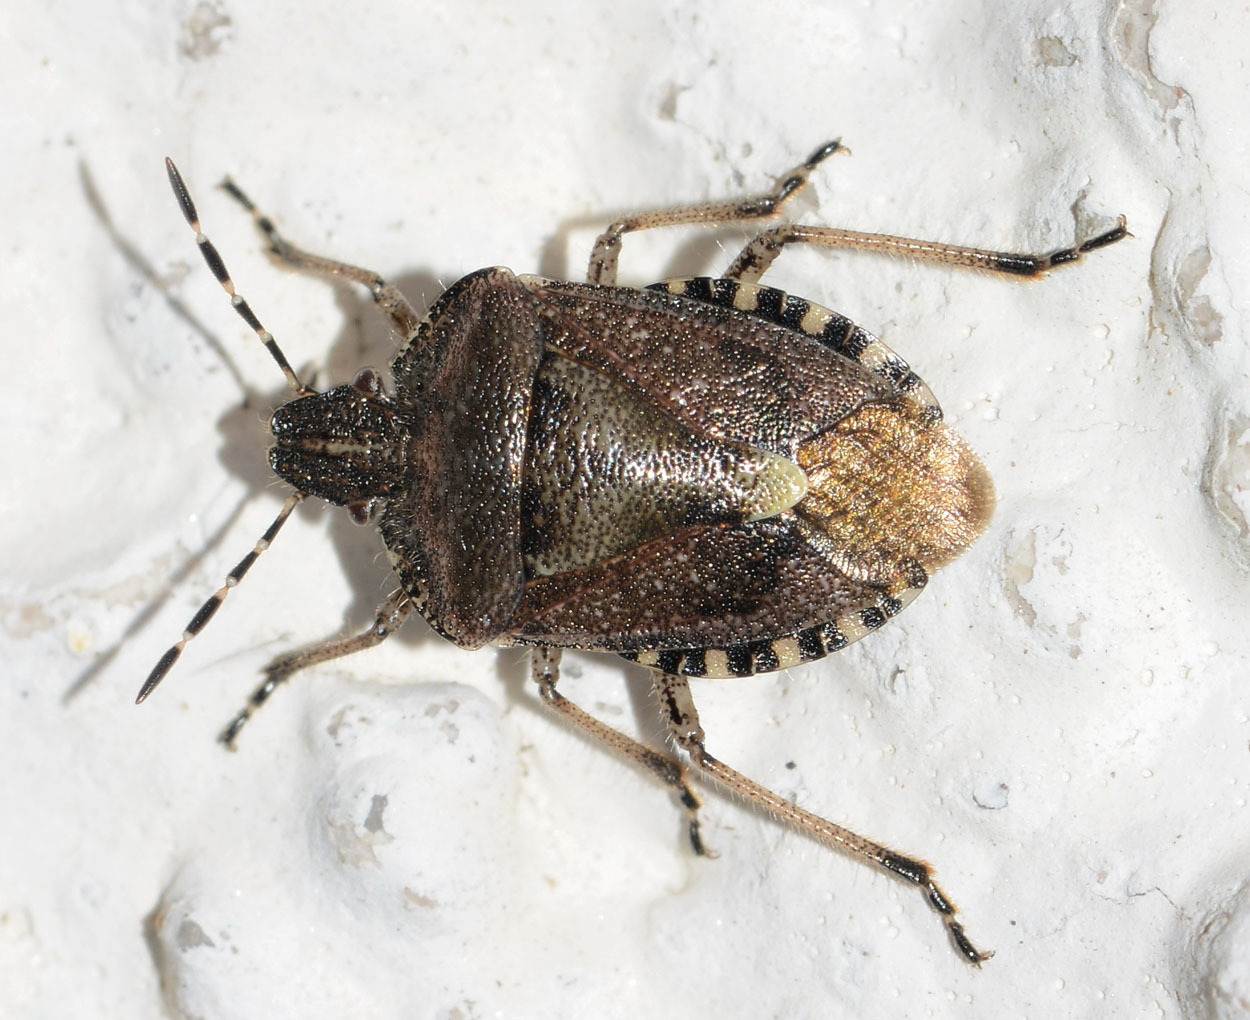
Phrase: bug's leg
(391, 614)
(545, 663)
(607, 248)
(683, 723)
(404, 318)
(753, 261)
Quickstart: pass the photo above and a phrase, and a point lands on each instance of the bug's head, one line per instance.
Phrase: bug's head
(345, 446)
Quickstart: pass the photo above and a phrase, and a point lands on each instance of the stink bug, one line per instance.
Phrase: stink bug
(708, 477)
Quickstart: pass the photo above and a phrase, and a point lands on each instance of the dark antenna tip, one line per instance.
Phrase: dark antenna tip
(159, 670)
(182, 194)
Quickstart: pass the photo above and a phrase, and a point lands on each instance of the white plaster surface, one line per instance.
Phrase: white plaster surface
(1061, 723)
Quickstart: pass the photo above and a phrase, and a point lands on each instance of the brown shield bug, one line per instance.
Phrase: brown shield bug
(709, 477)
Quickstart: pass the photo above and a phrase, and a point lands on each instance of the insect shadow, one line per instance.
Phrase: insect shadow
(146, 271)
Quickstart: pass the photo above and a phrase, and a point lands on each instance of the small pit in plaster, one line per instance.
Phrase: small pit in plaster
(191, 936)
(1177, 309)
(377, 807)
(991, 796)
(1023, 565)
(206, 29)
(448, 728)
(355, 846)
(1053, 52)
(1219, 949)
(345, 718)
(1206, 324)
(412, 899)
(1019, 560)
(22, 620)
(1227, 482)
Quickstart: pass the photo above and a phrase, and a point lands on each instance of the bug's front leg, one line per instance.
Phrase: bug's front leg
(545, 663)
(683, 723)
(403, 317)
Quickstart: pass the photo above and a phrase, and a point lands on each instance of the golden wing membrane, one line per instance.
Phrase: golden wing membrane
(889, 488)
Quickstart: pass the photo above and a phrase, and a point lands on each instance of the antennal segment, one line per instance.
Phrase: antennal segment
(215, 263)
(206, 612)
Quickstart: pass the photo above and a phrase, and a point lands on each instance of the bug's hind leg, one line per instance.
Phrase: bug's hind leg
(404, 318)
(753, 261)
(545, 664)
(391, 614)
(683, 722)
(603, 258)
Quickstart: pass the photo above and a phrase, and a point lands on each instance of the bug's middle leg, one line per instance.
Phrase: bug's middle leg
(683, 722)
(545, 664)
(390, 615)
(607, 250)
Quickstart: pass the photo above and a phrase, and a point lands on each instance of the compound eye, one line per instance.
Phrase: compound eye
(368, 381)
(363, 511)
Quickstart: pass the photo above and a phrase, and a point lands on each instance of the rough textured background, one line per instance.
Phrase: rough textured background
(1060, 723)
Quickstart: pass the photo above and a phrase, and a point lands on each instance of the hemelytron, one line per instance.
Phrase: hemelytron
(709, 477)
